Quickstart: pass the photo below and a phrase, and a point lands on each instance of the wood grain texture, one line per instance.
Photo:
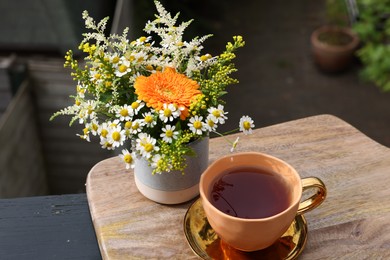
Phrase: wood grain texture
(352, 222)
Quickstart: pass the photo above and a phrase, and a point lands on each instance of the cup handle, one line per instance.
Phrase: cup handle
(316, 199)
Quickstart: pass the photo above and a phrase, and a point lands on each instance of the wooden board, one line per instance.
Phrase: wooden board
(353, 222)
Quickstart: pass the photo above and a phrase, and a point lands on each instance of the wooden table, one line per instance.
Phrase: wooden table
(353, 222)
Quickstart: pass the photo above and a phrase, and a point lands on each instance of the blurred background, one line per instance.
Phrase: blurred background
(280, 79)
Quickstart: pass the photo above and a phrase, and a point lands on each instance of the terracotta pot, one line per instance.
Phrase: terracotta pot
(173, 187)
(333, 58)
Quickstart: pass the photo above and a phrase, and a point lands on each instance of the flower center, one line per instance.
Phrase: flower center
(148, 147)
(104, 133)
(198, 125)
(128, 124)
(115, 59)
(167, 112)
(169, 133)
(116, 136)
(124, 112)
(122, 68)
(128, 158)
(148, 119)
(135, 105)
(211, 123)
(216, 113)
(247, 125)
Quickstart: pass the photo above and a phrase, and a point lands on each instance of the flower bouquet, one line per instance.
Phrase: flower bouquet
(153, 97)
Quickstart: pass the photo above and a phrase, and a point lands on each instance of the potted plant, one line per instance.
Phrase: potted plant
(334, 44)
(158, 97)
(373, 28)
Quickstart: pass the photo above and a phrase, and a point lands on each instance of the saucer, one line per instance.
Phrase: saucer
(205, 243)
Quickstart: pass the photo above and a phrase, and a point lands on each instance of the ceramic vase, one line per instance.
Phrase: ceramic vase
(173, 187)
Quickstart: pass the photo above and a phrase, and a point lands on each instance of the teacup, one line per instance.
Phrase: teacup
(255, 233)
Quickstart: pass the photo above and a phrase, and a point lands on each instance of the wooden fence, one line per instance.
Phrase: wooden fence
(68, 158)
(22, 171)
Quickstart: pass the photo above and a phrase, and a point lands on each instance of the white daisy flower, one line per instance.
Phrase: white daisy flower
(140, 56)
(246, 124)
(169, 133)
(93, 126)
(219, 113)
(103, 130)
(156, 160)
(85, 134)
(141, 40)
(196, 125)
(127, 126)
(136, 126)
(148, 119)
(106, 144)
(116, 136)
(96, 76)
(203, 58)
(81, 90)
(128, 158)
(136, 106)
(123, 67)
(124, 113)
(81, 117)
(169, 113)
(114, 58)
(211, 123)
(146, 145)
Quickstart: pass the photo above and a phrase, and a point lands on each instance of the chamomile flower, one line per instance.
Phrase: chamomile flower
(156, 160)
(136, 106)
(219, 113)
(123, 67)
(136, 126)
(80, 90)
(93, 126)
(146, 145)
(85, 134)
(127, 126)
(196, 125)
(103, 130)
(149, 119)
(114, 58)
(211, 123)
(169, 133)
(246, 124)
(116, 136)
(105, 144)
(128, 158)
(96, 76)
(124, 113)
(169, 113)
(141, 40)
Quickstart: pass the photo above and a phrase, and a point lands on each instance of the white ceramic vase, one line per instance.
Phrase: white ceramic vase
(173, 187)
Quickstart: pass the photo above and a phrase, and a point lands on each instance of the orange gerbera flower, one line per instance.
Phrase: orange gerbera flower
(168, 87)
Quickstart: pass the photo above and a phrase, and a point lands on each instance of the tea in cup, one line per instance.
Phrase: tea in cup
(250, 199)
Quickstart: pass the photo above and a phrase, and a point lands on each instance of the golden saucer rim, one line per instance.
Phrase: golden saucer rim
(294, 253)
